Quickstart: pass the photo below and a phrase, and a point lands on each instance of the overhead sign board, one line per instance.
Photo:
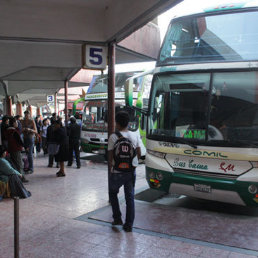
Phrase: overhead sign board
(96, 57)
(50, 98)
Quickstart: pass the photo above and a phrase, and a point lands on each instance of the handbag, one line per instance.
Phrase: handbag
(53, 148)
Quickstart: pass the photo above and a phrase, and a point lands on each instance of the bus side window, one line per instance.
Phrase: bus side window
(143, 120)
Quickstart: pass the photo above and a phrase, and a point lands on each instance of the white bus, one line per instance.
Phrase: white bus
(202, 132)
(94, 134)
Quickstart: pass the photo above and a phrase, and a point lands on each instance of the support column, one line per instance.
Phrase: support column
(56, 103)
(8, 103)
(66, 102)
(19, 108)
(111, 87)
(111, 95)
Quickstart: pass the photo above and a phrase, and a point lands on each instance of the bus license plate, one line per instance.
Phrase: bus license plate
(101, 151)
(202, 188)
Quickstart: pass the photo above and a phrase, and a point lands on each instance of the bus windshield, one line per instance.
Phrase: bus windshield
(219, 37)
(99, 83)
(94, 116)
(208, 108)
(96, 112)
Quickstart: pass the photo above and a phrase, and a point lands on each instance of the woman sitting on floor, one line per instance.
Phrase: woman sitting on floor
(10, 179)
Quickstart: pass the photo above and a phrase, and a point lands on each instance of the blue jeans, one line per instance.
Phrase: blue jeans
(116, 181)
(29, 145)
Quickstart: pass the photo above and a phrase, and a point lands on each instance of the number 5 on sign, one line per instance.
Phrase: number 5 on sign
(96, 57)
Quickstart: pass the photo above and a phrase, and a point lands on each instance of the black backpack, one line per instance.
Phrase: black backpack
(123, 154)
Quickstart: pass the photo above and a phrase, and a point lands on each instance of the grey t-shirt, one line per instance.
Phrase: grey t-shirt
(132, 136)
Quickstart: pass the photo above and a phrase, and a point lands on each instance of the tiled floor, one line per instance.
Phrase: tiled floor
(48, 227)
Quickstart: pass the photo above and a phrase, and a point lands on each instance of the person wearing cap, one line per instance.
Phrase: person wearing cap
(29, 130)
(74, 133)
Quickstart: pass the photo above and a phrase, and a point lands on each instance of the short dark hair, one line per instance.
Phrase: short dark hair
(2, 150)
(12, 120)
(58, 122)
(73, 120)
(26, 112)
(122, 118)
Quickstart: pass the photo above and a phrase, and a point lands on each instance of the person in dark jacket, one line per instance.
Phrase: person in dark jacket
(18, 119)
(74, 133)
(4, 126)
(38, 124)
(51, 140)
(61, 139)
(15, 146)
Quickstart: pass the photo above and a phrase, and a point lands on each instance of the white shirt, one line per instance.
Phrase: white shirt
(132, 136)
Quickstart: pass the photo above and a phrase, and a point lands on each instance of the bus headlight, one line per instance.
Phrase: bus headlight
(252, 189)
(157, 154)
(159, 176)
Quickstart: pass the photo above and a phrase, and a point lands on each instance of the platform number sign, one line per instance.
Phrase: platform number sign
(96, 57)
(50, 98)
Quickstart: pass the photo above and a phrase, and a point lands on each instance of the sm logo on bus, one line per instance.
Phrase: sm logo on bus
(226, 168)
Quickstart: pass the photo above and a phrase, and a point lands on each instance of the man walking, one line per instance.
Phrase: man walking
(74, 133)
(29, 130)
(124, 152)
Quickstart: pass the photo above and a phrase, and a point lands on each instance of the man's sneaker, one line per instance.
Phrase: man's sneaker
(28, 172)
(127, 228)
(50, 166)
(117, 222)
(69, 165)
(78, 167)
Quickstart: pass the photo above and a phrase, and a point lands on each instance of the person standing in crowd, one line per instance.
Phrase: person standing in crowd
(18, 119)
(4, 126)
(124, 178)
(38, 138)
(44, 135)
(74, 133)
(54, 116)
(15, 146)
(50, 141)
(61, 139)
(29, 130)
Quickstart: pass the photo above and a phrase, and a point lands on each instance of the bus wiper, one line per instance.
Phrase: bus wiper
(182, 140)
(249, 143)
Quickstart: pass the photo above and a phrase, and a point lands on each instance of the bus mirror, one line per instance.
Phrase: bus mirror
(128, 93)
(140, 110)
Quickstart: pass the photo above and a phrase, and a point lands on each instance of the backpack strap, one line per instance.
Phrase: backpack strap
(118, 134)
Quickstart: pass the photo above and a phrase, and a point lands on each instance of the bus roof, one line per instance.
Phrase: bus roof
(208, 8)
(141, 74)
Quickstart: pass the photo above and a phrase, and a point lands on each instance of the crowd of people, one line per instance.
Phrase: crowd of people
(23, 137)
(60, 143)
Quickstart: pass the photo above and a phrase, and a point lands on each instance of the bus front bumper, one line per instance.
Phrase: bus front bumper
(93, 147)
(216, 189)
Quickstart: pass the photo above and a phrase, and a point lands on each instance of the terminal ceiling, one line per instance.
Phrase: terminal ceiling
(41, 42)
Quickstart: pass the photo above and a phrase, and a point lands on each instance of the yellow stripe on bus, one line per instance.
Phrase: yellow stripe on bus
(212, 154)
